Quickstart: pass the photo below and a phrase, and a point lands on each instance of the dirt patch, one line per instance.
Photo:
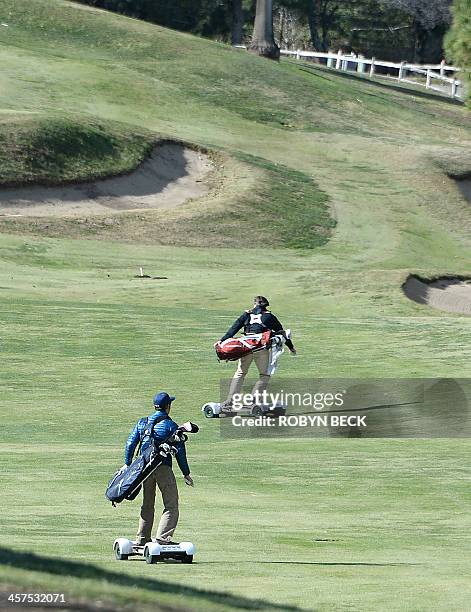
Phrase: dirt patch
(464, 185)
(169, 177)
(448, 293)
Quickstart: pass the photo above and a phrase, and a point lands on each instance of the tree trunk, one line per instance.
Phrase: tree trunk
(281, 34)
(313, 20)
(263, 42)
(326, 18)
(237, 22)
(420, 36)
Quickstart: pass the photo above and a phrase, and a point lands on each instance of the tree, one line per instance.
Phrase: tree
(377, 30)
(263, 42)
(323, 18)
(458, 39)
(428, 13)
(237, 29)
(430, 18)
(313, 18)
(290, 26)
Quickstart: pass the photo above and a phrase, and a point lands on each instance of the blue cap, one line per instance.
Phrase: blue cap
(162, 399)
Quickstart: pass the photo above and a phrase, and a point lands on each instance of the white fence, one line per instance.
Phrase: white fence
(430, 76)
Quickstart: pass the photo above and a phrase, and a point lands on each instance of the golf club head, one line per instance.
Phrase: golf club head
(189, 427)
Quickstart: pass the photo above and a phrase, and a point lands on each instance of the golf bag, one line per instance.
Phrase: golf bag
(233, 349)
(127, 483)
(277, 348)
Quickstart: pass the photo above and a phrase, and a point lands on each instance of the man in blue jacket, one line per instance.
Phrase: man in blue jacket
(163, 476)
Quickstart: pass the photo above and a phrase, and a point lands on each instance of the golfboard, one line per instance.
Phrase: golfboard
(154, 551)
(213, 410)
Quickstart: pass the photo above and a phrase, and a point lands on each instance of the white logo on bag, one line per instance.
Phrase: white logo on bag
(255, 318)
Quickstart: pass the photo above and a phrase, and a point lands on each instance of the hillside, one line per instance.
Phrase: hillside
(326, 194)
(74, 64)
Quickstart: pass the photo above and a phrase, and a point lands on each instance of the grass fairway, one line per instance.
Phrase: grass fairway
(320, 525)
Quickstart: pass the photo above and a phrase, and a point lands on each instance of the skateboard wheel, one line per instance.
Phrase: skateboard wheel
(118, 554)
(208, 412)
(149, 557)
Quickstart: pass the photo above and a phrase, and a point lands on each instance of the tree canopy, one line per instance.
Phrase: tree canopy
(391, 29)
(458, 39)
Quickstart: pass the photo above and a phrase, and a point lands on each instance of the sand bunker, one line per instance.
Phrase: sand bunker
(448, 293)
(169, 177)
(464, 185)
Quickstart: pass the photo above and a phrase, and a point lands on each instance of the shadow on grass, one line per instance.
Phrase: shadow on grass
(76, 569)
(326, 563)
(317, 70)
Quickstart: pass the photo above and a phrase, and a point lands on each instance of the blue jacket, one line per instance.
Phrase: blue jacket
(162, 431)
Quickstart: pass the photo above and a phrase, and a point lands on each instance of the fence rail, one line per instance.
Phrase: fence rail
(427, 74)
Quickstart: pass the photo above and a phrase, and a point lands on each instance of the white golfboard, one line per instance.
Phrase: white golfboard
(213, 410)
(153, 551)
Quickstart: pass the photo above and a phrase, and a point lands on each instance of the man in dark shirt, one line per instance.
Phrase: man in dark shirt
(254, 321)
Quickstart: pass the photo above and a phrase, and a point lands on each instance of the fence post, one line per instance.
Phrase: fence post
(360, 65)
(372, 67)
(442, 67)
(339, 57)
(429, 79)
(401, 71)
(298, 56)
(454, 88)
(330, 62)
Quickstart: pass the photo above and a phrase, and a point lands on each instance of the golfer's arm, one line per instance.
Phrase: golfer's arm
(278, 327)
(289, 344)
(131, 444)
(182, 460)
(238, 324)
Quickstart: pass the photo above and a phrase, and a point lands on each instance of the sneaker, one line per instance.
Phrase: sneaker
(255, 410)
(226, 407)
(166, 542)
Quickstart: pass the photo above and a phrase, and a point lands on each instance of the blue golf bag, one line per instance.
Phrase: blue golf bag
(127, 483)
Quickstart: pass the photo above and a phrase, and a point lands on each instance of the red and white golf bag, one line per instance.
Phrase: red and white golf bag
(233, 349)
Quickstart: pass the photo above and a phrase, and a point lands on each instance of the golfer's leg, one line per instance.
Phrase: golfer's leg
(262, 359)
(146, 520)
(168, 487)
(240, 374)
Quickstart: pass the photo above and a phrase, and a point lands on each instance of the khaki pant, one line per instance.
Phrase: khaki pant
(164, 478)
(261, 359)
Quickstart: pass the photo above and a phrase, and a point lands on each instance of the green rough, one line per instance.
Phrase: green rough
(50, 150)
